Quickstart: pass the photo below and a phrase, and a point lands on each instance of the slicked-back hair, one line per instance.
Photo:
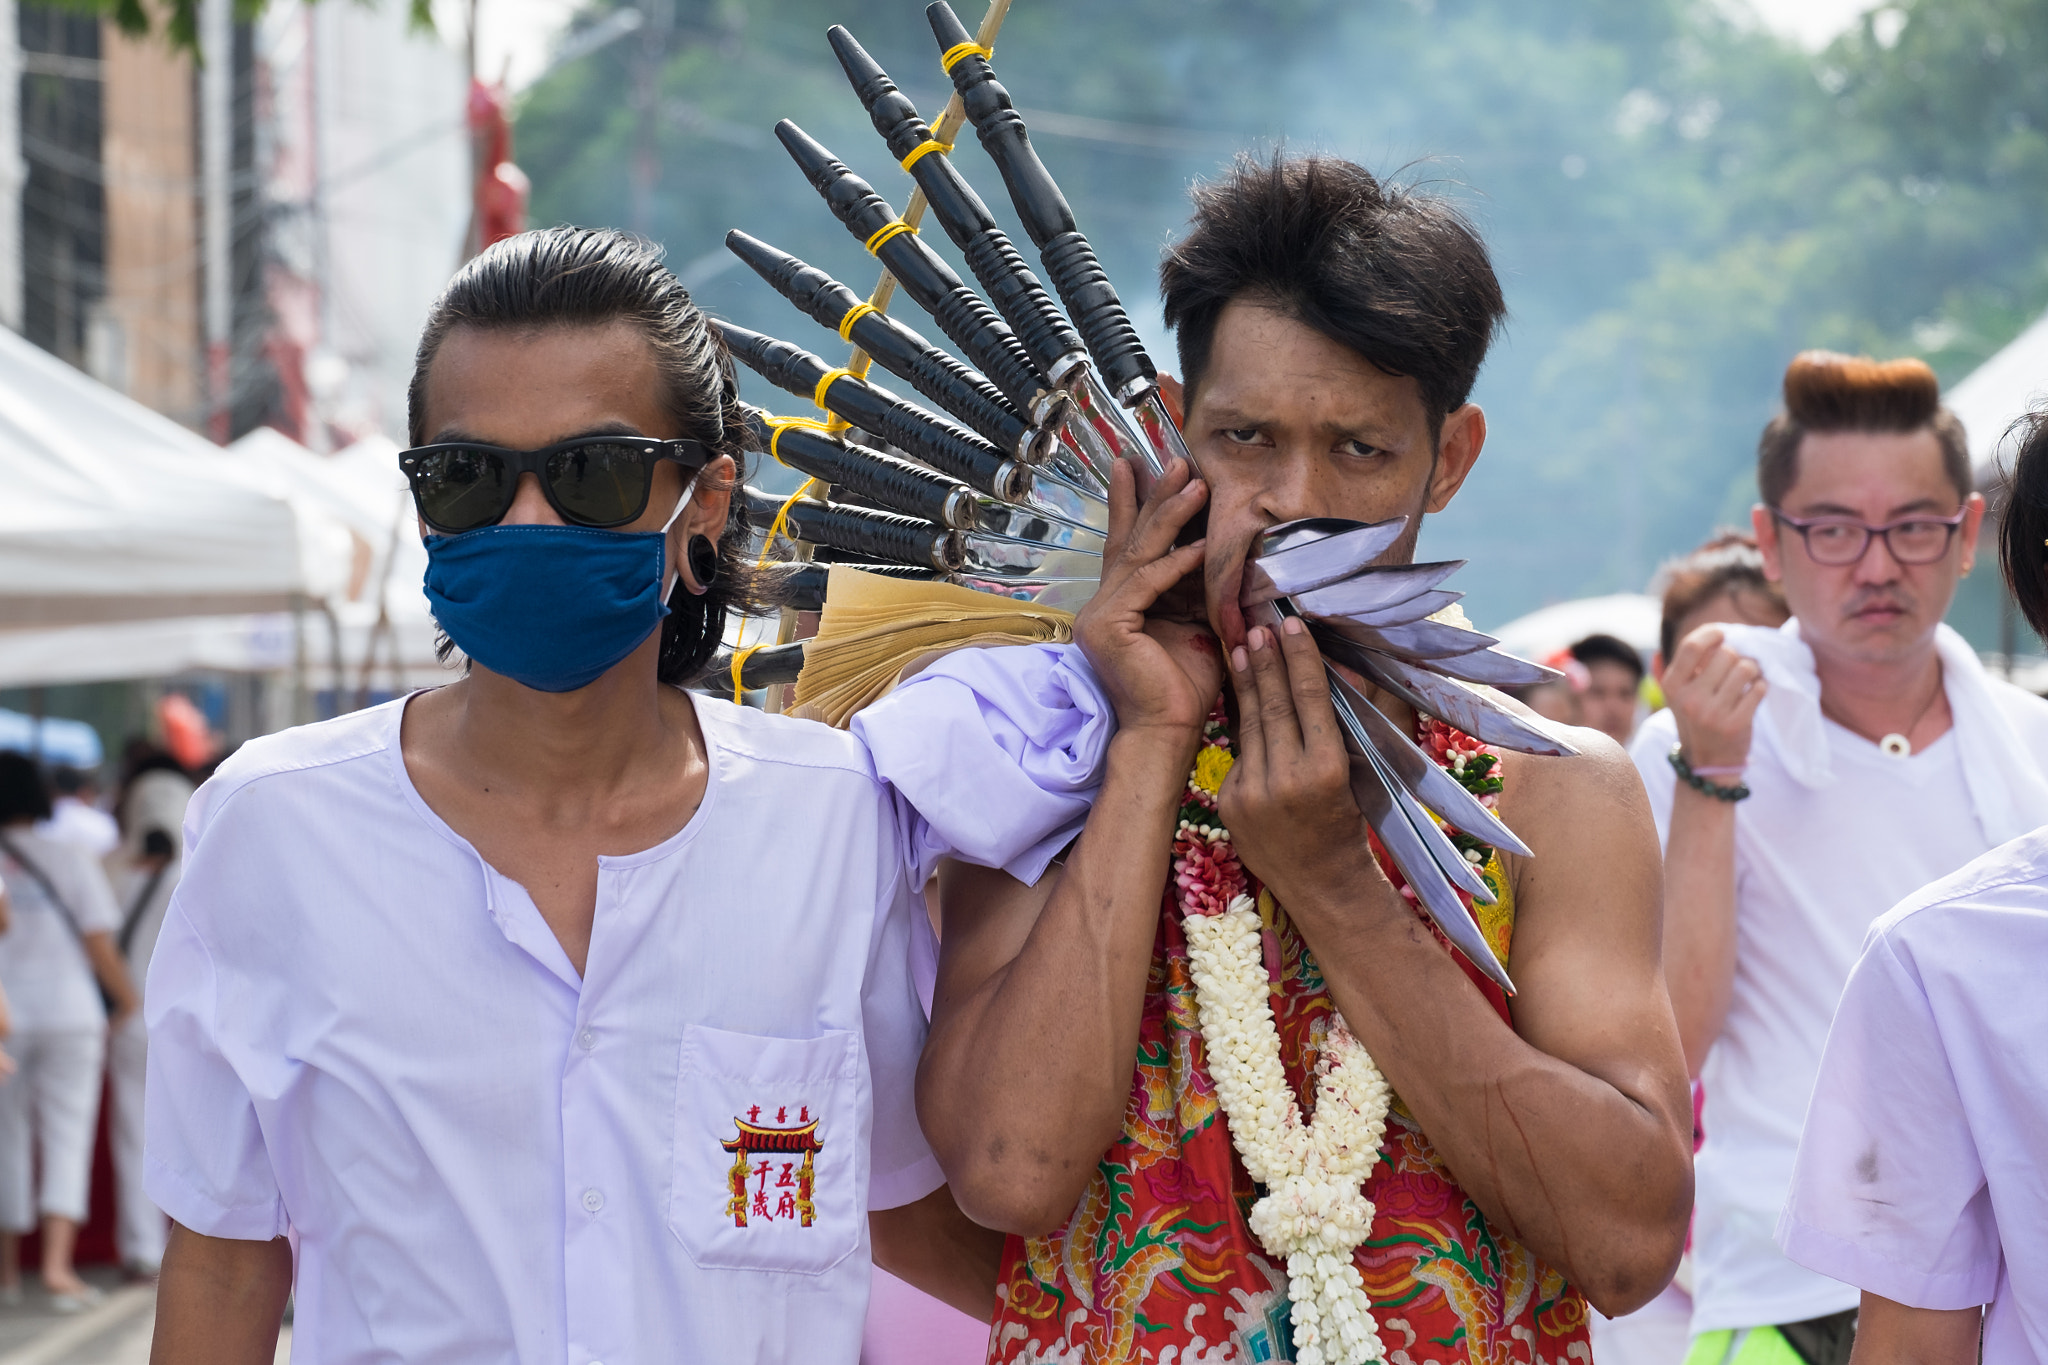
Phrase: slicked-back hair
(1828, 392)
(1398, 276)
(2023, 527)
(588, 277)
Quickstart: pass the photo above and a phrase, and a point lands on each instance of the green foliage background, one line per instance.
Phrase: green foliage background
(1677, 201)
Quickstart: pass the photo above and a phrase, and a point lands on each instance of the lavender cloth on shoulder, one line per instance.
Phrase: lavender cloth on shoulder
(998, 751)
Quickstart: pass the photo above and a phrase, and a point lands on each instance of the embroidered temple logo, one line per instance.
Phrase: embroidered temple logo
(772, 1157)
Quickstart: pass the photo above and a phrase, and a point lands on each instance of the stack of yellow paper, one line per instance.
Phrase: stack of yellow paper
(875, 630)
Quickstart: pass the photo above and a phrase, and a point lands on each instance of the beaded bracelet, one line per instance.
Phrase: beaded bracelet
(1738, 792)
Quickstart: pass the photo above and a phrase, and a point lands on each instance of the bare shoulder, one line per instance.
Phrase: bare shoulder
(1594, 889)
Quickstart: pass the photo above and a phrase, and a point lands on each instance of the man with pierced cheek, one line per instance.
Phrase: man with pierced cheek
(1535, 1154)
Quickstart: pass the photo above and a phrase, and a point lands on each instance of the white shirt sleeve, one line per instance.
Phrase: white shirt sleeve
(1651, 753)
(204, 1163)
(902, 1168)
(1888, 1193)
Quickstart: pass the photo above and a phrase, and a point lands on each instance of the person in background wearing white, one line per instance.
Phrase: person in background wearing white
(559, 1014)
(1720, 582)
(145, 873)
(75, 816)
(1883, 758)
(1919, 1177)
(55, 959)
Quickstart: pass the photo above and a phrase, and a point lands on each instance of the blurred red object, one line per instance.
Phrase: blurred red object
(186, 734)
(502, 189)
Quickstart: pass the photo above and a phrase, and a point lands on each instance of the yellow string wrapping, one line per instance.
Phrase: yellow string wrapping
(778, 425)
(739, 661)
(917, 153)
(818, 394)
(952, 55)
(892, 228)
(853, 317)
(780, 526)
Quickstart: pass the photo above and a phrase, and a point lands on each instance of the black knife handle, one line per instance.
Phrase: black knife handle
(924, 435)
(960, 391)
(800, 586)
(994, 261)
(974, 326)
(881, 535)
(768, 666)
(1078, 277)
(897, 484)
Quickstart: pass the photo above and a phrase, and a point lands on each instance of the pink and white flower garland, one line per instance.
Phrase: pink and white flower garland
(1315, 1213)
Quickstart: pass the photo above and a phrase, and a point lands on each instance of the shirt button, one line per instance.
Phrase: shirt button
(586, 1039)
(593, 1200)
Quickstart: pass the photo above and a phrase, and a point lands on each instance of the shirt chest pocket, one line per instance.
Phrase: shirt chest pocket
(768, 1169)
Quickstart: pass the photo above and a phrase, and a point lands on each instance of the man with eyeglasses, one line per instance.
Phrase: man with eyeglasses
(1805, 780)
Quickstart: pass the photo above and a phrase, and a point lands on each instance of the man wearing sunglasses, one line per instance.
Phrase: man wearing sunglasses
(1808, 778)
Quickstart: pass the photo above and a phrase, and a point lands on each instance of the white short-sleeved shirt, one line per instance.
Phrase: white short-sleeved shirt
(362, 1034)
(43, 967)
(1813, 869)
(1923, 1170)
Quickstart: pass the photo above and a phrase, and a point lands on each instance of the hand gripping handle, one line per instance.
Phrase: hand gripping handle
(881, 535)
(901, 351)
(1083, 287)
(974, 327)
(1001, 271)
(925, 435)
(896, 484)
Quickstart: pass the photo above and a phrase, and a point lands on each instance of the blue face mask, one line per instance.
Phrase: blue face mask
(551, 607)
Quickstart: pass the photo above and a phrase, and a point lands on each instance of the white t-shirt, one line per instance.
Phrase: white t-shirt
(73, 821)
(1813, 868)
(363, 1034)
(43, 967)
(1920, 1175)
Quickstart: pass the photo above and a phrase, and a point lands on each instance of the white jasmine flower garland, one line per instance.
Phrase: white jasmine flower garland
(1315, 1213)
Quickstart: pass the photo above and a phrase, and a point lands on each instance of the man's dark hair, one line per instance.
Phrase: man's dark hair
(586, 277)
(23, 795)
(1397, 276)
(1608, 649)
(2023, 525)
(1825, 391)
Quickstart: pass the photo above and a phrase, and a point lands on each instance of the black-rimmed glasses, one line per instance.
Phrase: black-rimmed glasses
(1840, 541)
(591, 481)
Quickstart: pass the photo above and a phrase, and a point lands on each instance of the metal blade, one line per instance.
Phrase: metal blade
(1013, 556)
(1292, 560)
(1026, 522)
(1441, 850)
(1375, 589)
(1062, 481)
(1068, 594)
(1417, 640)
(1492, 668)
(1461, 707)
(1375, 797)
(1420, 607)
(1432, 785)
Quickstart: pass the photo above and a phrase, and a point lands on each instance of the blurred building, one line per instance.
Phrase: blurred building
(347, 192)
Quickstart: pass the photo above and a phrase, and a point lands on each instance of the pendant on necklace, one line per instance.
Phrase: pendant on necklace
(1897, 745)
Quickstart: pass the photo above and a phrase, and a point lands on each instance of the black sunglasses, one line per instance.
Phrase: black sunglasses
(591, 481)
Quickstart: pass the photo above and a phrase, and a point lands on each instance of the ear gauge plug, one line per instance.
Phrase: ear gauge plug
(703, 557)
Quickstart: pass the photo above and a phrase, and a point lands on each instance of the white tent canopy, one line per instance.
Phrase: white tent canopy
(2000, 390)
(1628, 616)
(115, 513)
(368, 556)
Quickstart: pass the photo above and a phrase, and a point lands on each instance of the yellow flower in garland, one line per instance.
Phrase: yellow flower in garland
(1212, 765)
